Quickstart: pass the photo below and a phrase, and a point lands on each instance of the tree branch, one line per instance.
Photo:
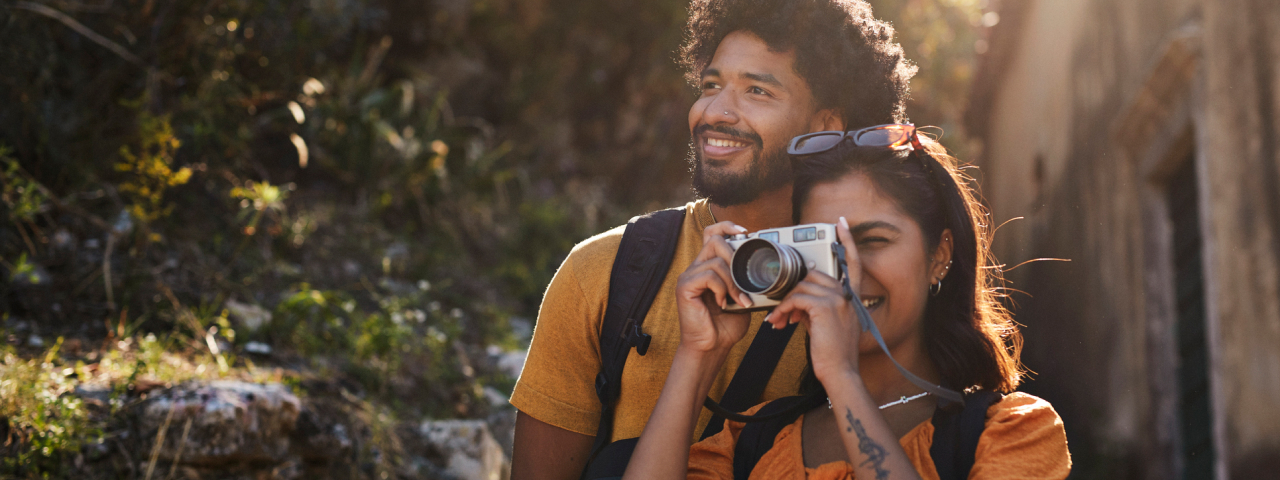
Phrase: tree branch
(81, 29)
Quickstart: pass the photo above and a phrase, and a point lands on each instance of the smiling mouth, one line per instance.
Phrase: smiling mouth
(725, 143)
(870, 303)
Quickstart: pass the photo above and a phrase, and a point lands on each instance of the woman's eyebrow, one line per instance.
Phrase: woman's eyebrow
(863, 227)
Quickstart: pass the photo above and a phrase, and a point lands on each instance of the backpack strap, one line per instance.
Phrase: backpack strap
(956, 432)
(757, 438)
(753, 374)
(644, 256)
(955, 435)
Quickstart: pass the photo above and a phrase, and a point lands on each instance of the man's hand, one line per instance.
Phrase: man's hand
(543, 451)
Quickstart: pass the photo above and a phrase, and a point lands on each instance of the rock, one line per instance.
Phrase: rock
(321, 437)
(251, 316)
(466, 448)
(231, 422)
(258, 348)
(495, 397)
(510, 363)
(502, 423)
(100, 394)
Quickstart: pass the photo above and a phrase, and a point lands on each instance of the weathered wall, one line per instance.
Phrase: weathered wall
(1241, 137)
(1091, 104)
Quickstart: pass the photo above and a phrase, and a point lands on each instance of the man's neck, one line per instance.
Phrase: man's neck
(771, 210)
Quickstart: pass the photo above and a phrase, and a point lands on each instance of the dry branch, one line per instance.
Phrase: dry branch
(81, 29)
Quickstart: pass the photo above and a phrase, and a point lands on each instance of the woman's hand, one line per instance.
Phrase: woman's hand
(706, 335)
(831, 319)
(702, 291)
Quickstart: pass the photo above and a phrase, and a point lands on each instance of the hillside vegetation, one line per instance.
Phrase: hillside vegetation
(358, 199)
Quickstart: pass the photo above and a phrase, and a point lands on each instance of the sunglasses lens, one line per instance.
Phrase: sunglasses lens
(889, 136)
(817, 143)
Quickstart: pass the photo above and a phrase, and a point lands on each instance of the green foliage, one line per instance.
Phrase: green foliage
(258, 199)
(393, 181)
(151, 170)
(44, 420)
(941, 37)
(23, 271)
(22, 197)
(407, 347)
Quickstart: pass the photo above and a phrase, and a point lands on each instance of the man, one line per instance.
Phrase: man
(768, 70)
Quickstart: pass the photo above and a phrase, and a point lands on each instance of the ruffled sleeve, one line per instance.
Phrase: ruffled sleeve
(1024, 438)
(712, 458)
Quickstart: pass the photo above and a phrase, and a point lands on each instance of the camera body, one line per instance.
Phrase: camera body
(767, 264)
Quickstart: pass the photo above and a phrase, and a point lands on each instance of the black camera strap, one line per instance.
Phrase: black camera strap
(730, 408)
(747, 386)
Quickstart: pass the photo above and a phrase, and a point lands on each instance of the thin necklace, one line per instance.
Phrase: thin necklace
(903, 400)
(899, 401)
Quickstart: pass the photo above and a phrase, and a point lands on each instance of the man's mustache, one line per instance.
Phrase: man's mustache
(727, 130)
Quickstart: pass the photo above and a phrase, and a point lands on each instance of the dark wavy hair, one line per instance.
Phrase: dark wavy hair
(970, 336)
(847, 56)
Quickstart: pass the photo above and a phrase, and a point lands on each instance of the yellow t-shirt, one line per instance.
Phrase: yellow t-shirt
(557, 385)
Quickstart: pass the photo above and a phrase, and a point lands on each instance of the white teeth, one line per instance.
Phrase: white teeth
(720, 142)
(871, 302)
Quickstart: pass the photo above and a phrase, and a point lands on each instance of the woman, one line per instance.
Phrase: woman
(916, 246)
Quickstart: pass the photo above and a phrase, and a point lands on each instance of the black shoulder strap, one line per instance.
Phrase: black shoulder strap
(956, 432)
(644, 256)
(753, 374)
(757, 438)
(955, 435)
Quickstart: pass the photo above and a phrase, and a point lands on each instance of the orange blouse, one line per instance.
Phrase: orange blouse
(1023, 438)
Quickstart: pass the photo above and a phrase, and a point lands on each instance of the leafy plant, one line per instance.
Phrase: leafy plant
(150, 168)
(44, 420)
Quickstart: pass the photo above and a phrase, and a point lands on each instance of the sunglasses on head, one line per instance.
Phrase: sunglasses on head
(897, 136)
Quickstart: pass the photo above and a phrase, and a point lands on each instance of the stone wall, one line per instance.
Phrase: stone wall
(1084, 109)
(1241, 137)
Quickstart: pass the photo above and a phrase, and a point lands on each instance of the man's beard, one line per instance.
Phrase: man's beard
(768, 171)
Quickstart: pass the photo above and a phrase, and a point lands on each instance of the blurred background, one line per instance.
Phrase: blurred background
(309, 238)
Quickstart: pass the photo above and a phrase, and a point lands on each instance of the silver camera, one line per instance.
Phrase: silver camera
(767, 264)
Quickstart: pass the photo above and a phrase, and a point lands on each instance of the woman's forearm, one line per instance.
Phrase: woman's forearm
(873, 450)
(663, 450)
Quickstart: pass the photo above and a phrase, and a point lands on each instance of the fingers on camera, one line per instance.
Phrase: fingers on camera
(721, 229)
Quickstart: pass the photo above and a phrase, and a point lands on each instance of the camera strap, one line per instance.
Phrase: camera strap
(730, 410)
(864, 318)
(753, 374)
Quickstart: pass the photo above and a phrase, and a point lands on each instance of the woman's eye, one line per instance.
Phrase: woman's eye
(872, 240)
(710, 85)
(758, 91)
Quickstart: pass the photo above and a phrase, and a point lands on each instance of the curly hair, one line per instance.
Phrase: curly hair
(847, 56)
(970, 336)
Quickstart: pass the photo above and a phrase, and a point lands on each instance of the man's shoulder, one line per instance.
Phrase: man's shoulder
(598, 252)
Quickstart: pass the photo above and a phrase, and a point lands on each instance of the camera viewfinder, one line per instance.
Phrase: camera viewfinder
(804, 234)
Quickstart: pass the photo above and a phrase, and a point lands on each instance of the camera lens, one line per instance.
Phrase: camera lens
(765, 267)
(762, 268)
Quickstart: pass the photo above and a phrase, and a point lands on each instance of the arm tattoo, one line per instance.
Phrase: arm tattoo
(875, 453)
